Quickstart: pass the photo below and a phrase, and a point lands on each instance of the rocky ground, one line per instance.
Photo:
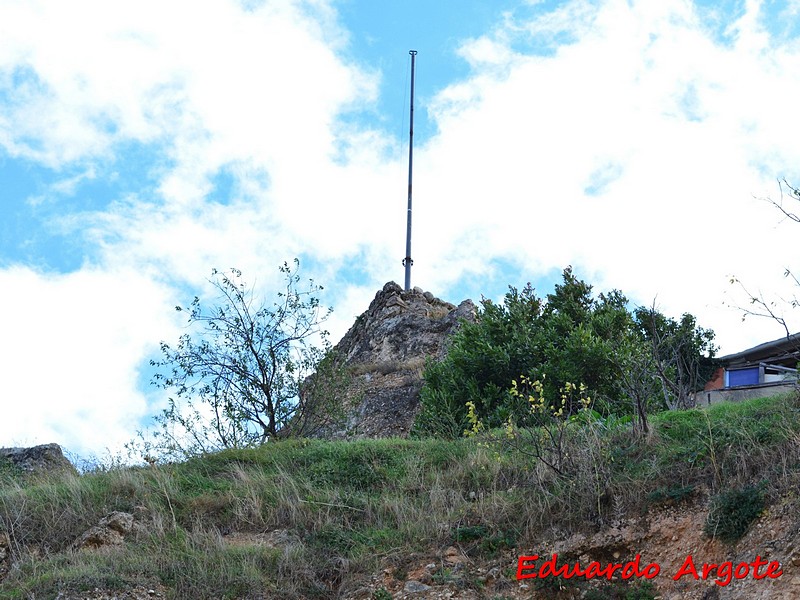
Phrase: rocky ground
(665, 537)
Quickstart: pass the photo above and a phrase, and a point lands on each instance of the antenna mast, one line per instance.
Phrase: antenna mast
(407, 262)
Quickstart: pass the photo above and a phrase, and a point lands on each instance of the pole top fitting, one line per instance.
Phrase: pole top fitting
(412, 52)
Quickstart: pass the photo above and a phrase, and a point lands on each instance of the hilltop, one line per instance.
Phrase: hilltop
(385, 352)
(404, 518)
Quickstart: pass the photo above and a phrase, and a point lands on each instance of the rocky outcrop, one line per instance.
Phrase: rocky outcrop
(109, 532)
(38, 459)
(385, 353)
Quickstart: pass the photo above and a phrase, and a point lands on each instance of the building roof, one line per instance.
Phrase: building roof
(783, 351)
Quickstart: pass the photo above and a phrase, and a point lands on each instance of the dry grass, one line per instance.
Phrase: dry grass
(343, 509)
(416, 364)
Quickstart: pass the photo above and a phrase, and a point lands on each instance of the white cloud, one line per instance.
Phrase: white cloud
(71, 349)
(694, 128)
(630, 142)
(254, 91)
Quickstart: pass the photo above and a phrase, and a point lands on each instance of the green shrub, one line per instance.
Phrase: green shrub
(382, 594)
(568, 336)
(469, 533)
(732, 512)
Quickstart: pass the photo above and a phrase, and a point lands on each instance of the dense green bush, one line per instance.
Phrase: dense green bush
(732, 512)
(626, 359)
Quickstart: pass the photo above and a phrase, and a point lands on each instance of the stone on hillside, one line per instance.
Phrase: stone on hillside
(415, 587)
(110, 531)
(38, 459)
(385, 351)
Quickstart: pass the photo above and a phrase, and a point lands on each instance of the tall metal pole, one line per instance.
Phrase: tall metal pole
(407, 262)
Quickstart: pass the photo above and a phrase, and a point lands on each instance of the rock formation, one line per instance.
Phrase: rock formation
(110, 531)
(38, 459)
(385, 353)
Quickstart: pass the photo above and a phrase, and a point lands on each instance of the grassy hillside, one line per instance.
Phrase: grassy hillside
(314, 519)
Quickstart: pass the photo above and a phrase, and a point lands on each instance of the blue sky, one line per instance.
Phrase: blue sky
(143, 144)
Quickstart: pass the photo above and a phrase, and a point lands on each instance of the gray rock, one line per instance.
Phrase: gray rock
(415, 587)
(386, 350)
(121, 522)
(110, 531)
(38, 459)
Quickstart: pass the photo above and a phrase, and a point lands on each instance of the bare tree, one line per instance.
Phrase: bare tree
(786, 191)
(758, 304)
(236, 375)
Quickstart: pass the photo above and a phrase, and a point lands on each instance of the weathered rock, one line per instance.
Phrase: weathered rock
(38, 459)
(415, 587)
(385, 351)
(110, 531)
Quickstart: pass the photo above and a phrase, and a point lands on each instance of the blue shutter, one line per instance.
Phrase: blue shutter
(739, 377)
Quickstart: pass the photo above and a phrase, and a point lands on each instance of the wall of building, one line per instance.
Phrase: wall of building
(737, 394)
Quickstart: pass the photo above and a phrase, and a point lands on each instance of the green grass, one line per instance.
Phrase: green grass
(346, 509)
